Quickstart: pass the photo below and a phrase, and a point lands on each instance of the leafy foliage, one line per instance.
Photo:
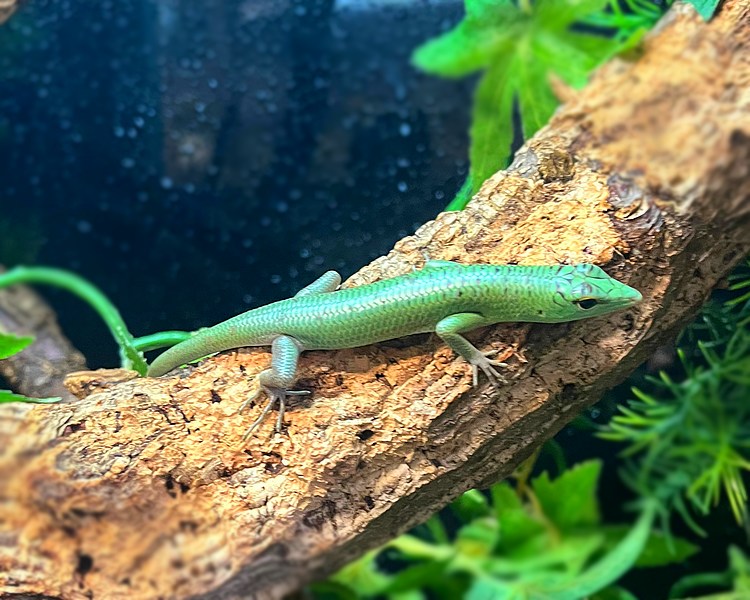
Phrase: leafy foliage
(736, 578)
(520, 47)
(12, 344)
(542, 539)
(9, 345)
(688, 440)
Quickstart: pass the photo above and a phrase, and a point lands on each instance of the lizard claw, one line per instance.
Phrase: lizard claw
(274, 395)
(487, 366)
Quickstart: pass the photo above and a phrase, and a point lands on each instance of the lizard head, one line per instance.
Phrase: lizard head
(585, 291)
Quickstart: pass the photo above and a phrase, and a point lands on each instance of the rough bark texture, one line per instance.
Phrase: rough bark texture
(142, 488)
(40, 369)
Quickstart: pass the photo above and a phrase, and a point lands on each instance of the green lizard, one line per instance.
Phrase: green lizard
(444, 297)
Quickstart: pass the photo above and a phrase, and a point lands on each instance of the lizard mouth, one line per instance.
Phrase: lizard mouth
(628, 297)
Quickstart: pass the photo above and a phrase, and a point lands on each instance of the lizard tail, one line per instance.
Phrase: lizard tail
(196, 347)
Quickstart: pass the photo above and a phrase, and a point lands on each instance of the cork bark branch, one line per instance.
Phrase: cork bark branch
(39, 370)
(141, 489)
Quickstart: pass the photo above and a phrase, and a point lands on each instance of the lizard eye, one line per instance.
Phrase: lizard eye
(586, 303)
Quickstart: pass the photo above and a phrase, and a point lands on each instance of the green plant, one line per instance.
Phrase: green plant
(736, 578)
(10, 345)
(534, 540)
(131, 349)
(519, 46)
(131, 357)
(688, 439)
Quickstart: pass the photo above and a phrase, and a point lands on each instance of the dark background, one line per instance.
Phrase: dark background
(197, 159)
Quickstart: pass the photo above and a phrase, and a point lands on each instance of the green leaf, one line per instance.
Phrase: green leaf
(330, 590)
(487, 32)
(470, 505)
(612, 566)
(571, 56)
(517, 526)
(613, 592)
(570, 500)
(436, 529)
(659, 551)
(463, 196)
(418, 577)
(492, 125)
(557, 15)
(414, 548)
(545, 555)
(478, 538)
(408, 595)
(535, 96)
(363, 576)
(489, 589)
(489, 10)
(6, 397)
(736, 577)
(12, 344)
(705, 8)
(739, 565)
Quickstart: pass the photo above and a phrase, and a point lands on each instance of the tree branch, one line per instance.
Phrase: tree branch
(40, 369)
(141, 489)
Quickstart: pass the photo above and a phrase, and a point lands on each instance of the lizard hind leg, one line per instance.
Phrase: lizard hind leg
(276, 381)
(274, 395)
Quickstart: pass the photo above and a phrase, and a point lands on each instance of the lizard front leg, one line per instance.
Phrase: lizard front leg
(277, 380)
(449, 330)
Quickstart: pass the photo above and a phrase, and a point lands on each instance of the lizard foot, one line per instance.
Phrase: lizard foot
(487, 365)
(274, 395)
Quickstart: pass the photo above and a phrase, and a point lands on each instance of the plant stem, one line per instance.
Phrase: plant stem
(130, 356)
(162, 339)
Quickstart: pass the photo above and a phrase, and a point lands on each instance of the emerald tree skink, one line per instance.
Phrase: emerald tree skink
(444, 297)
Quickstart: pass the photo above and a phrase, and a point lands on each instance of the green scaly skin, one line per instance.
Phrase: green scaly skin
(444, 297)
